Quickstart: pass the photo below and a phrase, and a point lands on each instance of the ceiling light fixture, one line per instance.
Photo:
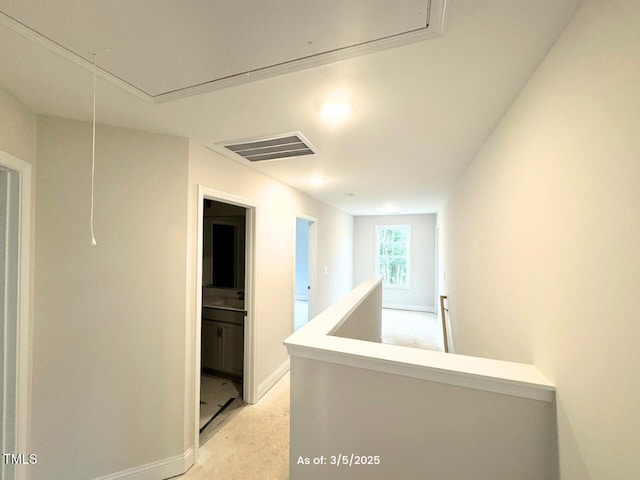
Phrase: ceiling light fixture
(336, 109)
(316, 181)
(390, 208)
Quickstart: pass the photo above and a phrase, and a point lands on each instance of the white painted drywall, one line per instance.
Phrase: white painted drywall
(422, 413)
(417, 428)
(365, 322)
(543, 239)
(421, 294)
(18, 128)
(109, 330)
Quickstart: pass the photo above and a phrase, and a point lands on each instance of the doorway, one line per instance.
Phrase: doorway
(15, 217)
(304, 270)
(223, 312)
(225, 282)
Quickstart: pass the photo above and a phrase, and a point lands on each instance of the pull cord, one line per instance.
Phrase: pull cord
(93, 151)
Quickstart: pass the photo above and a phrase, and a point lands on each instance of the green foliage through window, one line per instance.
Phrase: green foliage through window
(393, 250)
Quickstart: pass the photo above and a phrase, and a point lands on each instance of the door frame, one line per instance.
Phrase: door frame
(313, 260)
(249, 387)
(19, 364)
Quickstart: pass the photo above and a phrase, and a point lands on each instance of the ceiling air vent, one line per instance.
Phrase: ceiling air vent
(272, 148)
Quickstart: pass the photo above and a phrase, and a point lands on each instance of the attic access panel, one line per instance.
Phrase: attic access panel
(164, 49)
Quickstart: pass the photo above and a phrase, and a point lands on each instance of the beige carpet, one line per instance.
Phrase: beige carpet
(412, 329)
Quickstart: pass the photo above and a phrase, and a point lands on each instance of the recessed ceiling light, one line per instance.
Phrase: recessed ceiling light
(336, 109)
(316, 181)
(390, 208)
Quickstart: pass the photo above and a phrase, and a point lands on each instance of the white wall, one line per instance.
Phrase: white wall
(18, 128)
(543, 239)
(278, 206)
(365, 322)
(421, 294)
(109, 333)
(417, 428)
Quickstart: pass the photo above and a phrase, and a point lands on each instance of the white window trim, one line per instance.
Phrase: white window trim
(377, 258)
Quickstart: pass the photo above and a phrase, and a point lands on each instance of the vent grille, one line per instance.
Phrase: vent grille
(272, 148)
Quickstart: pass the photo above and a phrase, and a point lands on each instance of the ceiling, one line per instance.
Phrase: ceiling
(425, 94)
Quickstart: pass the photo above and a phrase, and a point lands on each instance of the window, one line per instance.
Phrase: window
(393, 255)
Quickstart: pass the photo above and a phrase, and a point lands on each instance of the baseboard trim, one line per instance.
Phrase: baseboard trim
(414, 308)
(271, 380)
(167, 468)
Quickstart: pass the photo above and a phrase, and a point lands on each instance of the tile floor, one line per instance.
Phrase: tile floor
(214, 394)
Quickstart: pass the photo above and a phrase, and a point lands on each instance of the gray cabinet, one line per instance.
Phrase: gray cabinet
(210, 347)
(223, 341)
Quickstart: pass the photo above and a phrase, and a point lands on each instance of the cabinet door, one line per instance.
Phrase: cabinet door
(232, 349)
(211, 354)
